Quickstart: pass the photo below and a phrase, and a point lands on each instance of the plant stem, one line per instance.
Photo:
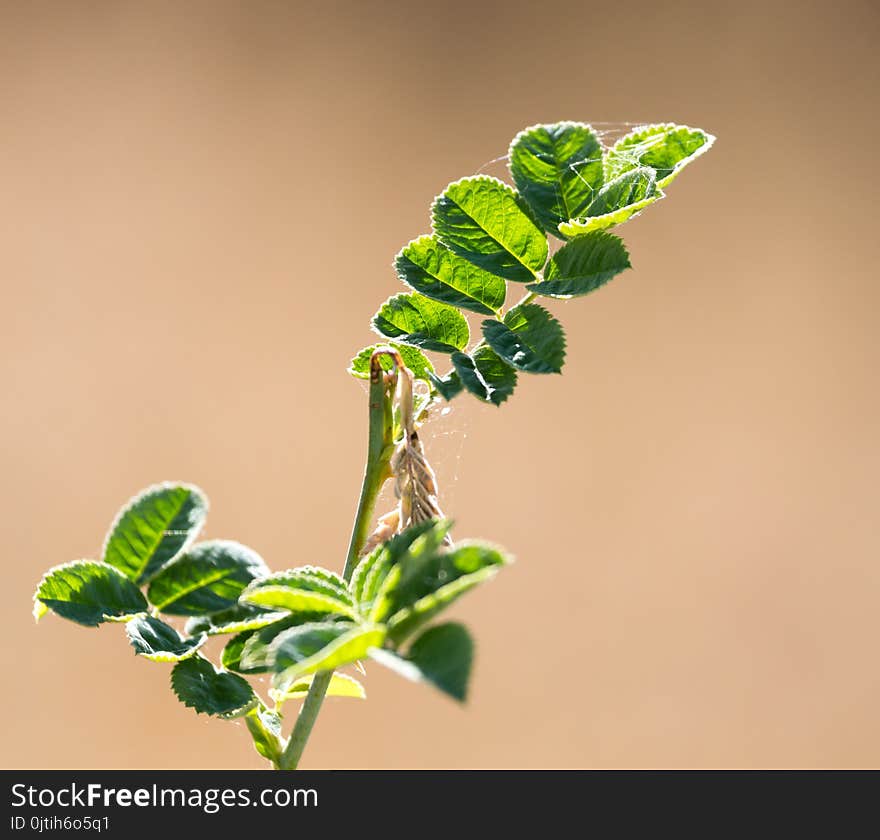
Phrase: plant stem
(379, 451)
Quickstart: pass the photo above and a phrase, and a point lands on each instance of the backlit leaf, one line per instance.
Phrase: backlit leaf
(485, 374)
(153, 528)
(207, 579)
(88, 592)
(666, 148)
(617, 201)
(436, 272)
(557, 169)
(489, 224)
(158, 641)
(422, 322)
(529, 339)
(413, 358)
(442, 656)
(583, 265)
(199, 685)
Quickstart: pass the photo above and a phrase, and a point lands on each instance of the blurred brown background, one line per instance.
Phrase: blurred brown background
(199, 203)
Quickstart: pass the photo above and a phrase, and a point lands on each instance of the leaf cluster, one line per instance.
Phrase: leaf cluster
(487, 234)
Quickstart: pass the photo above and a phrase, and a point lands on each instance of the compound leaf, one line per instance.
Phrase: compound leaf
(208, 578)
(557, 169)
(158, 641)
(199, 685)
(422, 322)
(88, 592)
(488, 223)
(529, 339)
(583, 265)
(485, 374)
(442, 656)
(153, 528)
(667, 148)
(436, 272)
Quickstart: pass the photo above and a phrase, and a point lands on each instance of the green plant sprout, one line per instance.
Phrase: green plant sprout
(303, 625)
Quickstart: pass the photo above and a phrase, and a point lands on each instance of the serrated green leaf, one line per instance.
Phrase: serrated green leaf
(307, 589)
(442, 656)
(341, 685)
(199, 685)
(249, 651)
(321, 647)
(487, 222)
(430, 583)
(529, 339)
(370, 573)
(618, 201)
(417, 362)
(422, 322)
(448, 386)
(666, 148)
(414, 546)
(208, 578)
(297, 600)
(88, 592)
(236, 619)
(485, 374)
(265, 728)
(153, 528)
(155, 640)
(436, 272)
(557, 169)
(583, 265)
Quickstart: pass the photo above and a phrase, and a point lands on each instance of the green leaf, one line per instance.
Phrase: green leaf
(617, 201)
(199, 685)
(418, 363)
(405, 550)
(307, 589)
(265, 728)
(666, 148)
(488, 223)
(249, 652)
(323, 646)
(442, 656)
(236, 619)
(529, 339)
(583, 265)
(422, 322)
(557, 169)
(448, 386)
(156, 640)
(207, 579)
(436, 272)
(485, 374)
(88, 592)
(430, 583)
(341, 685)
(153, 528)
(370, 573)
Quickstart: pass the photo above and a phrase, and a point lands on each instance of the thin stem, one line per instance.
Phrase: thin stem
(379, 451)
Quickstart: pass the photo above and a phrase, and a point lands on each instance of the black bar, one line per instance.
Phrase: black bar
(407, 803)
